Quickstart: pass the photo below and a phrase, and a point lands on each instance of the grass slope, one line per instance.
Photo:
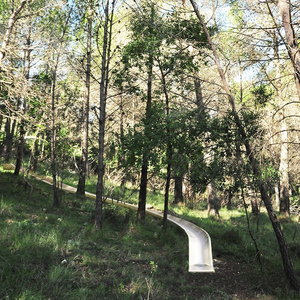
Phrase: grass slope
(48, 253)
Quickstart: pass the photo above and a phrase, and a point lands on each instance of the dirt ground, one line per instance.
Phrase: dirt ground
(231, 280)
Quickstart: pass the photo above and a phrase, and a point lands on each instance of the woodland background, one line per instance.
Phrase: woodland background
(199, 100)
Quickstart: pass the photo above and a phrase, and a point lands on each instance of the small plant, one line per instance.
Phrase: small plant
(5, 209)
(149, 282)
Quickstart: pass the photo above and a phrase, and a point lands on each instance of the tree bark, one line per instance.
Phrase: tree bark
(122, 158)
(20, 148)
(178, 194)
(53, 140)
(9, 135)
(253, 200)
(11, 22)
(103, 97)
(284, 197)
(85, 124)
(212, 205)
(169, 149)
(292, 42)
(27, 66)
(287, 263)
(198, 92)
(141, 212)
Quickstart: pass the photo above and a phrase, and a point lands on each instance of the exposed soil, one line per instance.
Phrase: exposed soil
(231, 280)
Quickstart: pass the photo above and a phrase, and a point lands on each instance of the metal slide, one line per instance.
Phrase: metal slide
(200, 250)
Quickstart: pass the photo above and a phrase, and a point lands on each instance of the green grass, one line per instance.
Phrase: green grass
(57, 254)
(49, 253)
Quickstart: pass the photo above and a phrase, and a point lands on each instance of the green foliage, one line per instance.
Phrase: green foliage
(236, 13)
(4, 13)
(262, 94)
(189, 30)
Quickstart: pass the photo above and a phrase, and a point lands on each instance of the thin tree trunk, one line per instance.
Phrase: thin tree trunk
(292, 43)
(53, 140)
(178, 194)
(103, 97)
(287, 263)
(284, 198)
(252, 196)
(20, 148)
(53, 109)
(85, 124)
(168, 150)
(167, 188)
(277, 200)
(198, 91)
(8, 139)
(122, 158)
(212, 205)
(141, 212)
(11, 22)
(27, 65)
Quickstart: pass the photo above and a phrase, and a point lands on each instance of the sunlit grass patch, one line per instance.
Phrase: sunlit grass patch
(5, 208)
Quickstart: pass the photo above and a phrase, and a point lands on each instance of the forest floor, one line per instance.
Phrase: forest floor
(234, 280)
(50, 253)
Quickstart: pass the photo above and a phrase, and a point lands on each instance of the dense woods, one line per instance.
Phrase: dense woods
(196, 99)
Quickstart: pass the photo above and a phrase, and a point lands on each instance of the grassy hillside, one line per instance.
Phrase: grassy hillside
(49, 253)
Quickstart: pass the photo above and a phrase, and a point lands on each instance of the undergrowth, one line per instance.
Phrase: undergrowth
(49, 253)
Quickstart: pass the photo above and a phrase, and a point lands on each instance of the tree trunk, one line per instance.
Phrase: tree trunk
(284, 197)
(168, 150)
(277, 200)
(253, 200)
(287, 263)
(11, 22)
(107, 31)
(144, 172)
(53, 140)
(212, 201)
(121, 161)
(141, 212)
(27, 66)
(20, 148)
(229, 202)
(8, 139)
(178, 195)
(85, 124)
(198, 91)
(167, 188)
(252, 195)
(292, 43)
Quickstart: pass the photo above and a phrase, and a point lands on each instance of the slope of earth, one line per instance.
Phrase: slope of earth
(49, 253)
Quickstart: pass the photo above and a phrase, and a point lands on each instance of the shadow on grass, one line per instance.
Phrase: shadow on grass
(57, 254)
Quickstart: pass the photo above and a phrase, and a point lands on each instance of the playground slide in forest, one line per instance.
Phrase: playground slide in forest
(200, 250)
